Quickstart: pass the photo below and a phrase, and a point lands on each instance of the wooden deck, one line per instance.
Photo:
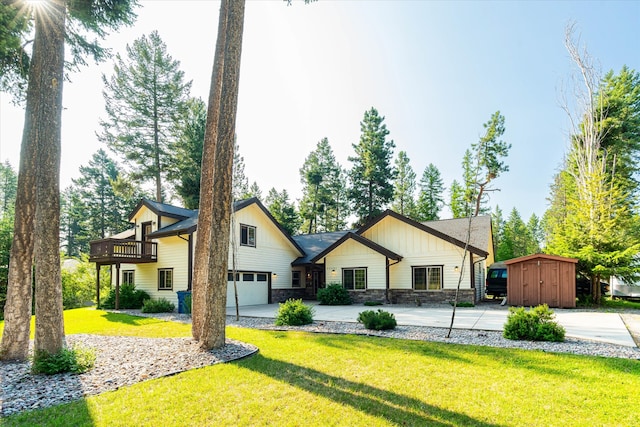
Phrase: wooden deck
(116, 251)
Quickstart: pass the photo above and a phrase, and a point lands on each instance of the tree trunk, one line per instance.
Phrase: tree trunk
(213, 332)
(49, 44)
(42, 123)
(201, 256)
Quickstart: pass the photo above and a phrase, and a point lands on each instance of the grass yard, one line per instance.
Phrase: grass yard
(338, 380)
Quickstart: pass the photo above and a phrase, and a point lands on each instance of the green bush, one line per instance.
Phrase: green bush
(334, 294)
(77, 360)
(294, 312)
(161, 305)
(377, 320)
(79, 283)
(372, 303)
(130, 297)
(536, 324)
(463, 304)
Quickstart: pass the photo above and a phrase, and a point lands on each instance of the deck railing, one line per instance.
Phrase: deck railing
(122, 250)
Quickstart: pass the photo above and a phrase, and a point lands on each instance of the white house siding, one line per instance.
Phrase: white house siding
(172, 253)
(273, 252)
(352, 254)
(418, 248)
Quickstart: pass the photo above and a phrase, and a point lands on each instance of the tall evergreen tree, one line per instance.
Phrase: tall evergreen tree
(457, 200)
(430, 197)
(36, 225)
(240, 186)
(185, 170)
(372, 174)
(144, 99)
(592, 215)
(8, 188)
(336, 211)
(320, 176)
(497, 229)
(404, 186)
(73, 222)
(283, 210)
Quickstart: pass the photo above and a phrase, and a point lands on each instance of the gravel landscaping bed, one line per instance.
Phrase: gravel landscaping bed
(123, 361)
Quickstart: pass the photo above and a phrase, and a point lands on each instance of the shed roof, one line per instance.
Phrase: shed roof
(543, 256)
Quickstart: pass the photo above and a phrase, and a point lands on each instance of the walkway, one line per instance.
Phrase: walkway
(589, 325)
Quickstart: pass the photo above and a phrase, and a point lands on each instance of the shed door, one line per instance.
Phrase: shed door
(549, 283)
(530, 286)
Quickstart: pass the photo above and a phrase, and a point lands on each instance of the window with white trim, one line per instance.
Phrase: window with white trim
(128, 277)
(427, 278)
(247, 277)
(261, 277)
(247, 235)
(354, 278)
(165, 279)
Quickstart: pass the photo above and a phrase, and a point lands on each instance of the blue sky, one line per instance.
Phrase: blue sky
(435, 70)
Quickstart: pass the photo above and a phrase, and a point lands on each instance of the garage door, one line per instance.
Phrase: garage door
(253, 289)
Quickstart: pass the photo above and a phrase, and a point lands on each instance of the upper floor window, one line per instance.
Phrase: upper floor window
(247, 235)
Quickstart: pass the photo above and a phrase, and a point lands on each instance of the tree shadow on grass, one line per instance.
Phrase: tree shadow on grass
(384, 404)
(129, 319)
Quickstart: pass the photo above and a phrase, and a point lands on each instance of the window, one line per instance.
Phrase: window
(165, 279)
(354, 278)
(247, 235)
(261, 277)
(247, 277)
(127, 277)
(295, 279)
(427, 278)
(230, 277)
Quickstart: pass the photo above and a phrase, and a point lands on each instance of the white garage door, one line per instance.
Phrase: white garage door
(253, 289)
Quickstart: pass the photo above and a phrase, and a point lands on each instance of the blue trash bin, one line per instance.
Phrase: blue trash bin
(184, 302)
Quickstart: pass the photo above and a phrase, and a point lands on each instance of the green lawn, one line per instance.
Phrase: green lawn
(325, 380)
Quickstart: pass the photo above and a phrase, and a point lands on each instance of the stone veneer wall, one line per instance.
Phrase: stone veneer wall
(281, 295)
(359, 297)
(409, 296)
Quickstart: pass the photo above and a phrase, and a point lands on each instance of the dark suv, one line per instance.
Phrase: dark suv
(497, 280)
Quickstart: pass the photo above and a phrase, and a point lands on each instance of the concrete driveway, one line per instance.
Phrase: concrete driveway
(590, 325)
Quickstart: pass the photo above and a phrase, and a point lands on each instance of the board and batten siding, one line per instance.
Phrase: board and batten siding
(273, 252)
(418, 249)
(172, 253)
(352, 254)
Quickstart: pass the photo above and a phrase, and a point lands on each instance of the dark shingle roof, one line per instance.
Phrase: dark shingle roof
(313, 244)
(162, 209)
(458, 228)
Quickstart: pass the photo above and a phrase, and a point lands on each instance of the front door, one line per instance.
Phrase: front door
(317, 281)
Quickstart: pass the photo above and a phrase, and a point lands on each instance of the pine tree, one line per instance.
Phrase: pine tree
(404, 186)
(320, 177)
(372, 174)
(144, 99)
(283, 210)
(185, 170)
(430, 198)
(37, 219)
(457, 200)
(240, 180)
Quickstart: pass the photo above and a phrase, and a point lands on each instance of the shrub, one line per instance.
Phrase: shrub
(537, 324)
(294, 312)
(463, 304)
(77, 360)
(372, 303)
(161, 305)
(79, 283)
(377, 320)
(334, 294)
(130, 297)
